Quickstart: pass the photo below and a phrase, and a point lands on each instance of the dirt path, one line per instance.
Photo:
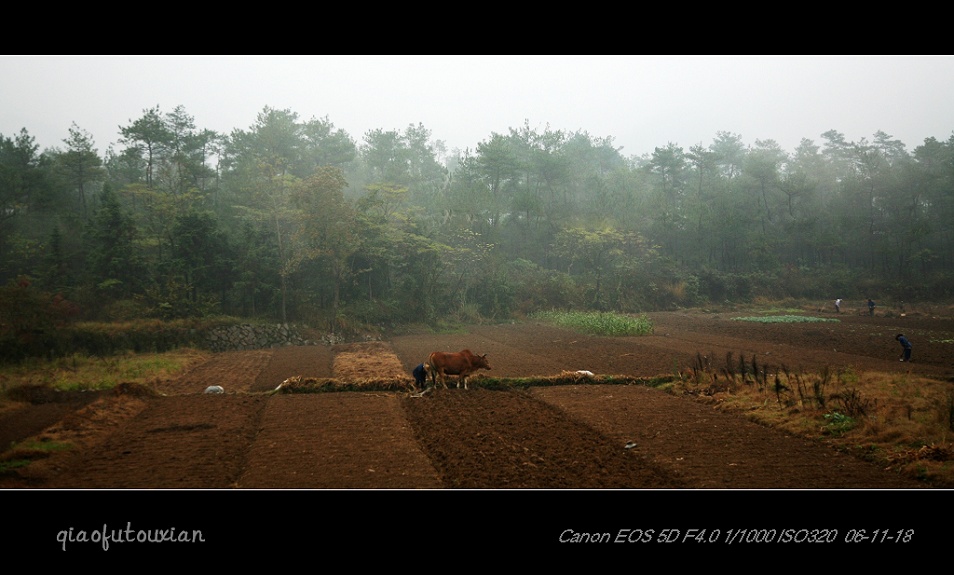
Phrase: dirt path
(572, 437)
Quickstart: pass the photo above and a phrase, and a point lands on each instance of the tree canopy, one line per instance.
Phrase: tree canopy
(295, 220)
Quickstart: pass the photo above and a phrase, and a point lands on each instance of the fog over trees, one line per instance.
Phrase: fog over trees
(295, 220)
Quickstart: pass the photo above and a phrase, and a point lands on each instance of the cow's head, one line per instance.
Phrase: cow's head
(480, 362)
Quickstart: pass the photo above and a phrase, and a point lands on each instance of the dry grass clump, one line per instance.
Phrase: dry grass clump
(371, 360)
(299, 384)
(357, 366)
(903, 421)
(566, 378)
(930, 463)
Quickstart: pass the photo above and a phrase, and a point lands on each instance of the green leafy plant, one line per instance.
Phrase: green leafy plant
(598, 323)
(838, 423)
(785, 319)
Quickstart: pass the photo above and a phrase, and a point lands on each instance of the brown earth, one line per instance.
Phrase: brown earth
(581, 436)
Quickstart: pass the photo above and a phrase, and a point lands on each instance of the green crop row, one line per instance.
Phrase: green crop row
(785, 319)
(598, 323)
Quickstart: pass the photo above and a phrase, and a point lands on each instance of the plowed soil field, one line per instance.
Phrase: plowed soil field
(573, 437)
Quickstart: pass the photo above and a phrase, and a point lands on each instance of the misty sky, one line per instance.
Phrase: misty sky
(643, 102)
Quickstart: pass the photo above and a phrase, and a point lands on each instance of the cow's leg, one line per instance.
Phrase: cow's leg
(433, 371)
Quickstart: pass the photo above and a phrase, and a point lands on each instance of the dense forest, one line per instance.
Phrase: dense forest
(296, 221)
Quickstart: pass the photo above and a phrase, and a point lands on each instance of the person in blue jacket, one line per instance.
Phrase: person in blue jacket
(420, 375)
(906, 345)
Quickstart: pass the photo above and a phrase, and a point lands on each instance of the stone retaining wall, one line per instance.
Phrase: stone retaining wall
(246, 336)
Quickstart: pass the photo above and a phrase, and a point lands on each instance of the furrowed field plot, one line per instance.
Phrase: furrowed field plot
(586, 435)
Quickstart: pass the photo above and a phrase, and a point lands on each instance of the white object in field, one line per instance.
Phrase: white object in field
(214, 389)
(293, 379)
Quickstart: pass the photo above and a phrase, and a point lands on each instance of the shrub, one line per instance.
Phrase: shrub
(31, 321)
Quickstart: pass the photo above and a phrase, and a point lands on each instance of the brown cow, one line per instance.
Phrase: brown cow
(461, 364)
